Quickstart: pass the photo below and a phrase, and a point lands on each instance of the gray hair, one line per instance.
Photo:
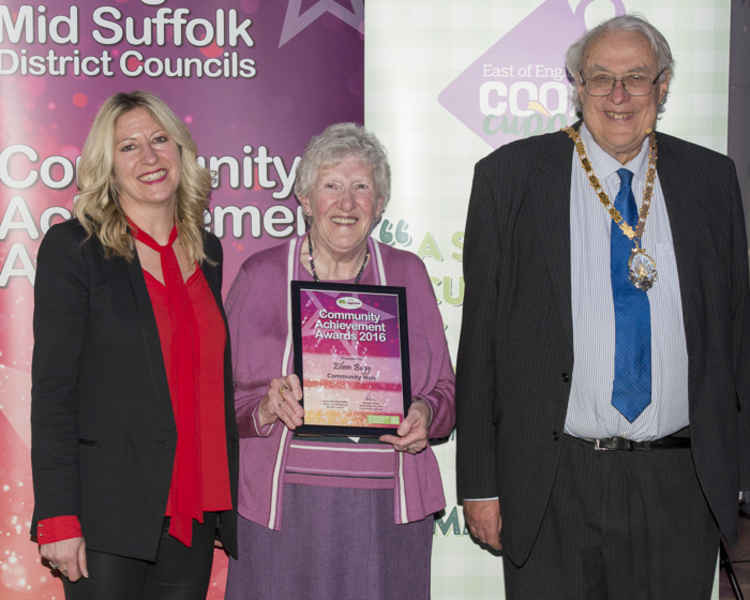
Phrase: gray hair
(576, 54)
(334, 144)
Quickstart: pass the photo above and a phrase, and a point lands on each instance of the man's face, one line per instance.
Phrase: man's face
(620, 121)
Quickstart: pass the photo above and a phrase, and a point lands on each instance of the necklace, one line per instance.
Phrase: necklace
(641, 267)
(312, 262)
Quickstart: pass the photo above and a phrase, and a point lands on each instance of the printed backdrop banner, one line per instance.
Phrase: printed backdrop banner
(446, 82)
(473, 75)
(253, 79)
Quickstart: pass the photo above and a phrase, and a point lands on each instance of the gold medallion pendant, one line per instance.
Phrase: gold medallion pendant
(642, 269)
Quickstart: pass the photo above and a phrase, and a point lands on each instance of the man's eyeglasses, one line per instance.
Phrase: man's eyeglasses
(635, 84)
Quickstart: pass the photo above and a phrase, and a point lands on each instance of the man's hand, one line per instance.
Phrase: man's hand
(67, 556)
(484, 521)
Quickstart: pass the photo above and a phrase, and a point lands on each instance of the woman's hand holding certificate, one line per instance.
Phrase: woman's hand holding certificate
(281, 402)
(411, 435)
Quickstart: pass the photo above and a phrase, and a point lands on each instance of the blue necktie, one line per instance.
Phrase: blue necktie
(631, 389)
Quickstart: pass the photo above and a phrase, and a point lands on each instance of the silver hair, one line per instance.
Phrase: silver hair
(334, 144)
(576, 54)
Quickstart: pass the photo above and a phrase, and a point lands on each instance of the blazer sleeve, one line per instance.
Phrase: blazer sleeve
(476, 390)
(249, 370)
(740, 321)
(61, 304)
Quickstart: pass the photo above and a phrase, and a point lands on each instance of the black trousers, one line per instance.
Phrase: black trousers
(620, 526)
(179, 572)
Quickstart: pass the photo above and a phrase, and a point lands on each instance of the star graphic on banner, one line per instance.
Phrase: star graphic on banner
(294, 22)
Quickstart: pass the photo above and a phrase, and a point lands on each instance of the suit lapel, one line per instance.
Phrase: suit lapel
(550, 189)
(209, 274)
(150, 334)
(683, 214)
(212, 273)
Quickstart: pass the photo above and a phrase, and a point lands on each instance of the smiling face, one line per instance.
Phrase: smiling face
(619, 122)
(147, 163)
(344, 206)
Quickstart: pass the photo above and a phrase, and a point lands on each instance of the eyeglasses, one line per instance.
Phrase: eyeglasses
(635, 84)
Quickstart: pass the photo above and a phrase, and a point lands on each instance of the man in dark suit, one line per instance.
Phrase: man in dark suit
(602, 388)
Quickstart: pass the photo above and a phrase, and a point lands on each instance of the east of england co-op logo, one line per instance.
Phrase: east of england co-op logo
(519, 86)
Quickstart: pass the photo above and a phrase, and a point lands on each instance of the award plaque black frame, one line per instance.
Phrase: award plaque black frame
(400, 292)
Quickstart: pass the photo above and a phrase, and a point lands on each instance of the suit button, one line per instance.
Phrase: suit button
(565, 377)
(556, 436)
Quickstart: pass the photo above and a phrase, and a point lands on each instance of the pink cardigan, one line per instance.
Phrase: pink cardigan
(259, 314)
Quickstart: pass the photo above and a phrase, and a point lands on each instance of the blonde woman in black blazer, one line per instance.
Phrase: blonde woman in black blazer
(106, 428)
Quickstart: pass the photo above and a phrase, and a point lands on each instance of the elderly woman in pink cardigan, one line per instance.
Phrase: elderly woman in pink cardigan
(326, 518)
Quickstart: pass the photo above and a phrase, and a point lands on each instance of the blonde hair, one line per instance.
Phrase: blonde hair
(98, 208)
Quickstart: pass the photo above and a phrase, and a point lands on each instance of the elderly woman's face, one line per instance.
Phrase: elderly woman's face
(343, 204)
(147, 161)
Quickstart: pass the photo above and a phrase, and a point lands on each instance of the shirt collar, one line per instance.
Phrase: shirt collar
(605, 165)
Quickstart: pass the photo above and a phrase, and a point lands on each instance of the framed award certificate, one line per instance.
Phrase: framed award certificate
(351, 353)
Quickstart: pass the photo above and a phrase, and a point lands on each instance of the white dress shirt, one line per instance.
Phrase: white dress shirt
(590, 411)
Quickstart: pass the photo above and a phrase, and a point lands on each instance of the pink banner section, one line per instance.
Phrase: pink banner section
(253, 79)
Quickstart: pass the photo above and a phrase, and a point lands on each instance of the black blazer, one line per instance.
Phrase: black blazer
(515, 356)
(103, 432)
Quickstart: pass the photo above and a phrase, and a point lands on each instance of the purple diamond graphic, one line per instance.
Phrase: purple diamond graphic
(519, 87)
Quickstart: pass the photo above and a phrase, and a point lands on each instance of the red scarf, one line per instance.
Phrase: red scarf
(185, 490)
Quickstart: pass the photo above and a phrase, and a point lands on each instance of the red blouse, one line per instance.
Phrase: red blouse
(212, 339)
(214, 467)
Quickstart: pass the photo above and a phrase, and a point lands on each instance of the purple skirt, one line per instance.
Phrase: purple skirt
(334, 543)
